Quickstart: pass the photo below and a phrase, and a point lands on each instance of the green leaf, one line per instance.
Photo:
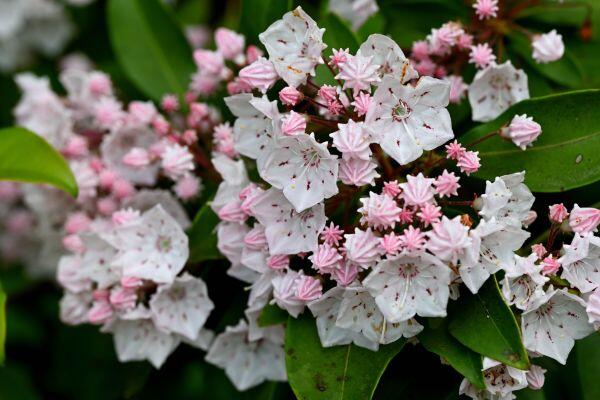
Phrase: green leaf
(26, 157)
(530, 394)
(203, 237)
(272, 315)
(436, 339)
(485, 324)
(340, 372)
(566, 71)
(338, 34)
(587, 354)
(375, 24)
(565, 156)
(150, 46)
(2, 323)
(258, 15)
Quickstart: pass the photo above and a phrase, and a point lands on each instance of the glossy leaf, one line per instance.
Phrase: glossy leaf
(587, 354)
(341, 372)
(258, 15)
(485, 324)
(26, 157)
(272, 315)
(150, 46)
(566, 71)
(565, 156)
(203, 237)
(338, 34)
(436, 339)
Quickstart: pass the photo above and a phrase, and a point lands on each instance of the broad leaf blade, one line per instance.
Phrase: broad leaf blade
(338, 34)
(436, 339)
(258, 15)
(272, 315)
(203, 237)
(565, 156)
(485, 324)
(587, 354)
(26, 157)
(150, 46)
(341, 372)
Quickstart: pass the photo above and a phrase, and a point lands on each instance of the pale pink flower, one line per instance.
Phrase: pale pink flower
(209, 61)
(253, 53)
(346, 274)
(260, 74)
(406, 215)
(73, 243)
(442, 39)
(379, 211)
(293, 124)
(77, 146)
(170, 103)
(177, 161)
(417, 190)
(468, 162)
(522, 130)
(390, 243)
(308, 288)
(548, 47)
(448, 239)
(539, 250)
(412, 239)
(352, 140)
(332, 234)
(326, 258)
(464, 41)
(137, 158)
(583, 220)
(328, 93)
(535, 377)
(339, 56)
(357, 172)
(284, 293)
(358, 73)
(458, 88)
(429, 213)
(391, 188)
(123, 298)
(446, 184)
(557, 213)
(486, 9)
(454, 150)
(187, 187)
(100, 312)
(362, 247)
(420, 50)
(99, 84)
(77, 222)
(278, 262)
(229, 43)
(109, 113)
(106, 206)
(593, 308)
(361, 103)
(550, 265)
(290, 96)
(232, 212)
(125, 217)
(426, 67)
(255, 239)
(481, 55)
(122, 189)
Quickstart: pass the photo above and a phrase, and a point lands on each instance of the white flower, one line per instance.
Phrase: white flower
(581, 262)
(145, 199)
(154, 248)
(247, 363)
(523, 284)
(74, 307)
(97, 261)
(548, 47)
(493, 246)
(500, 381)
(406, 120)
(288, 231)
(496, 88)
(284, 293)
(140, 339)
(410, 285)
(358, 73)
(86, 178)
(552, 327)
(181, 307)
(177, 161)
(355, 11)
(359, 313)
(294, 44)
(449, 239)
(389, 56)
(252, 128)
(303, 168)
(235, 178)
(507, 199)
(41, 111)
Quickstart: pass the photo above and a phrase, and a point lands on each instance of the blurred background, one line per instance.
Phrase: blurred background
(46, 359)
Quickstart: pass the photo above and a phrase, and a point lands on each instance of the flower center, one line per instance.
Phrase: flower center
(163, 244)
(401, 111)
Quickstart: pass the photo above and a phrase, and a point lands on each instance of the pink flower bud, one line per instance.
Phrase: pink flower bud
(255, 239)
(122, 189)
(253, 53)
(339, 57)
(294, 124)
(290, 96)
(548, 47)
(19, 222)
(357, 172)
(77, 146)
(420, 50)
(278, 262)
(523, 131)
(136, 158)
(446, 184)
(539, 250)
(260, 74)
(391, 188)
(189, 137)
(326, 259)
(187, 187)
(107, 178)
(535, 377)
(390, 243)
(232, 212)
(123, 298)
(361, 103)
(170, 103)
(486, 9)
(77, 222)
(458, 88)
(468, 162)
(99, 84)
(161, 125)
(73, 243)
(106, 206)
(481, 55)
(550, 265)
(454, 150)
(131, 282)
(328, 93)
(425, 67)
(583, 220)
(346, 274)
(308, 288)
(100, 312)
(125, 217)
(558, 213)
(209, 61)
(101, 294)
(142, 112)
(229, 43)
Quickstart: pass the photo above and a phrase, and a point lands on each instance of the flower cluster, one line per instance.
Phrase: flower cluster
(354, 216)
